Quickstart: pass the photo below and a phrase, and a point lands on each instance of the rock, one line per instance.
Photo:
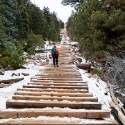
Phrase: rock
(13, 74)
(79, 59)
(1, 73)
(106, 93)
(2, 85)
(25, 74)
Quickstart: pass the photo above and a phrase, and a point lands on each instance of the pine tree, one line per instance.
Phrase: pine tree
(72, 2)
(10, 18)
(97, 28)
(37, 20)
(47, 14)
(22, 19)
(55, 24)
(3, 36)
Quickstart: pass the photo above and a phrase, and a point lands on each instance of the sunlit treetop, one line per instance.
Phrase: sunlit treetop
(72, 2)
(106, 3)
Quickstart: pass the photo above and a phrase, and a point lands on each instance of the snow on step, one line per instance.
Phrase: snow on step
(53, 90)
(28, 113)
(55, 121)
(41, 104)
(80, 99)
(55, 96)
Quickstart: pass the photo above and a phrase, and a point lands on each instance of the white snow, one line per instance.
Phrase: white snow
(96, 85)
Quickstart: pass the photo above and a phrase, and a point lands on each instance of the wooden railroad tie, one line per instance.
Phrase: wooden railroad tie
(42, 104)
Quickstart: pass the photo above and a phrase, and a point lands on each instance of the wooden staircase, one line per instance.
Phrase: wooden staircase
(55, 96)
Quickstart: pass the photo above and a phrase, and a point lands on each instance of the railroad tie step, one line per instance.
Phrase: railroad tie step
(58, 73)
(55, 87)
(55, 121)
(53, 90)
(54, 94)
(42, 104)
(28, 113)
(52, 76)
(77, 99)
(64, 79)
(57, 84)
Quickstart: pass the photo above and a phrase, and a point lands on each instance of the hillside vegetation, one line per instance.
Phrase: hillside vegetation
(24, 26)
(99, 27)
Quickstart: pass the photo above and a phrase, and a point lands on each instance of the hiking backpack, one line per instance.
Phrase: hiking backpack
(53, 50)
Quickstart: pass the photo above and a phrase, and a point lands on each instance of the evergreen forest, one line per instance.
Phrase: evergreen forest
(99, 27)
(23, 27)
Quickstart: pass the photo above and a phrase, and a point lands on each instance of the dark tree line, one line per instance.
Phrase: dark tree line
(99, 27)
(24, 26)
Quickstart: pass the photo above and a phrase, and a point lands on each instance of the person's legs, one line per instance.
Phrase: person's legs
(57, 61)
(54, 60)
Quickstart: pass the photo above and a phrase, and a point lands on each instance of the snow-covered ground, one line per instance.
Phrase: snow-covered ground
(96, 85)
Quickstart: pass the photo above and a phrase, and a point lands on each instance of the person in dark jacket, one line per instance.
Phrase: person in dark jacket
(55, 54)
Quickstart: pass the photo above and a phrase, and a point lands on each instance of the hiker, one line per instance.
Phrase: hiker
(55, 54)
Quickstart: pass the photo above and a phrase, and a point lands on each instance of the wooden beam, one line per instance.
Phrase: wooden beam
(43, 104)
(59, 72)
(11, 80)
(56, 122)
(57, 84)
(59, 80)
(28, 113)
(54, 90)
(57, 87)
(54, 94)
(73, 78)
(35, 80)
(82, 99)
(56, 72)
(56, 75)
(62, 69)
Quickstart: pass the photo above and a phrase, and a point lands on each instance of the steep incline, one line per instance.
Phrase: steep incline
(55, 96)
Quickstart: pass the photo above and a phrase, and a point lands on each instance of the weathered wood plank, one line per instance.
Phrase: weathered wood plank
(60, 69)
(28, 113)
(41, 104)
(59, 72)
(56, 122)
(72, 78)
(82, 99)
(54, 90)
(56, 75)
(54, 94)
(57, 87)
(58, 84)
(77, 80)
(35, 80)
(56, 72)
(11, 80)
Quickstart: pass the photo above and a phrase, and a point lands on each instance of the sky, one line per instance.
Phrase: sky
(63, 12)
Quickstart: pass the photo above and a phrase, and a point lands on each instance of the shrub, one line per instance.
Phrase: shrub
(98, 72)
(33, 42)
(16, 61)
(12, 56)
(4, 62)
